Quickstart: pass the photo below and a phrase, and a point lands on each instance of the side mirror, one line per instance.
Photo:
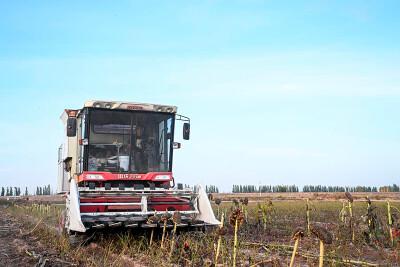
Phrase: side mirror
(71, 127)
(186, 131)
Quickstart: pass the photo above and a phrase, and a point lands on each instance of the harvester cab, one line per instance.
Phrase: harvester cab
(115, 167)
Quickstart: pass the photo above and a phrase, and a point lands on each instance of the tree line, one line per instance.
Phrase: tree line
(12, 191)
(264, 188)
(212, 189)
(311, 188)
(389, 188)
(359, 188)
(16, 191)
(44, 190)
(323, 188)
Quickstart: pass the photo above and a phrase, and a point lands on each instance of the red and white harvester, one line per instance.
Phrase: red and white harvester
(115, 167)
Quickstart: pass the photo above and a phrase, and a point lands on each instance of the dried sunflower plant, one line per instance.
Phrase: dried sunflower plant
(325, 237)
(236, 220)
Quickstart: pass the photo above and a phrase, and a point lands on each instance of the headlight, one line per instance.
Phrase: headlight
(162, 177)
(94, 176)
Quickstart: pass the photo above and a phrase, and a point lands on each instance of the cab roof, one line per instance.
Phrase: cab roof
(130, 106)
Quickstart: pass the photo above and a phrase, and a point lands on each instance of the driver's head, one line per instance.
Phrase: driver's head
(139, 131)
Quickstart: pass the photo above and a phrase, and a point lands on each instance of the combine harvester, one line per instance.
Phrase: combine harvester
(115, 168)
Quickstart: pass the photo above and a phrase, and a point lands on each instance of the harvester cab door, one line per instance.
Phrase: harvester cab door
(165, 136)
(82, 135)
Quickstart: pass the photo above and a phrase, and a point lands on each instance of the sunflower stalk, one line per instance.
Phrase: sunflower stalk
(369, 218)
(342, 213)
(245, 202)
(163, 233)
(308, 215)
(321, 253)
(218, 202)
(296, 245)
(235, 243)
(152, 220)
(236, 219)
(351, 221)
(298, 234)
(264, 216)
(324, 237)
(176, 219)
(151, 237)
(350, 206)
(390, 222)
(219, 240)
(172, 241)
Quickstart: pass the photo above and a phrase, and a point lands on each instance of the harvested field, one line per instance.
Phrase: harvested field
(20, 246)
(28, 234)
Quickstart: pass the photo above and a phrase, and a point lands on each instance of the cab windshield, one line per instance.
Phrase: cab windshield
(130, 141)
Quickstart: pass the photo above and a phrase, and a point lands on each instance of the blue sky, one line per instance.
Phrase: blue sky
(279, 92)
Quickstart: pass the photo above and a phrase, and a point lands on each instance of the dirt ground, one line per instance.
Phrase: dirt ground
(20, 248)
